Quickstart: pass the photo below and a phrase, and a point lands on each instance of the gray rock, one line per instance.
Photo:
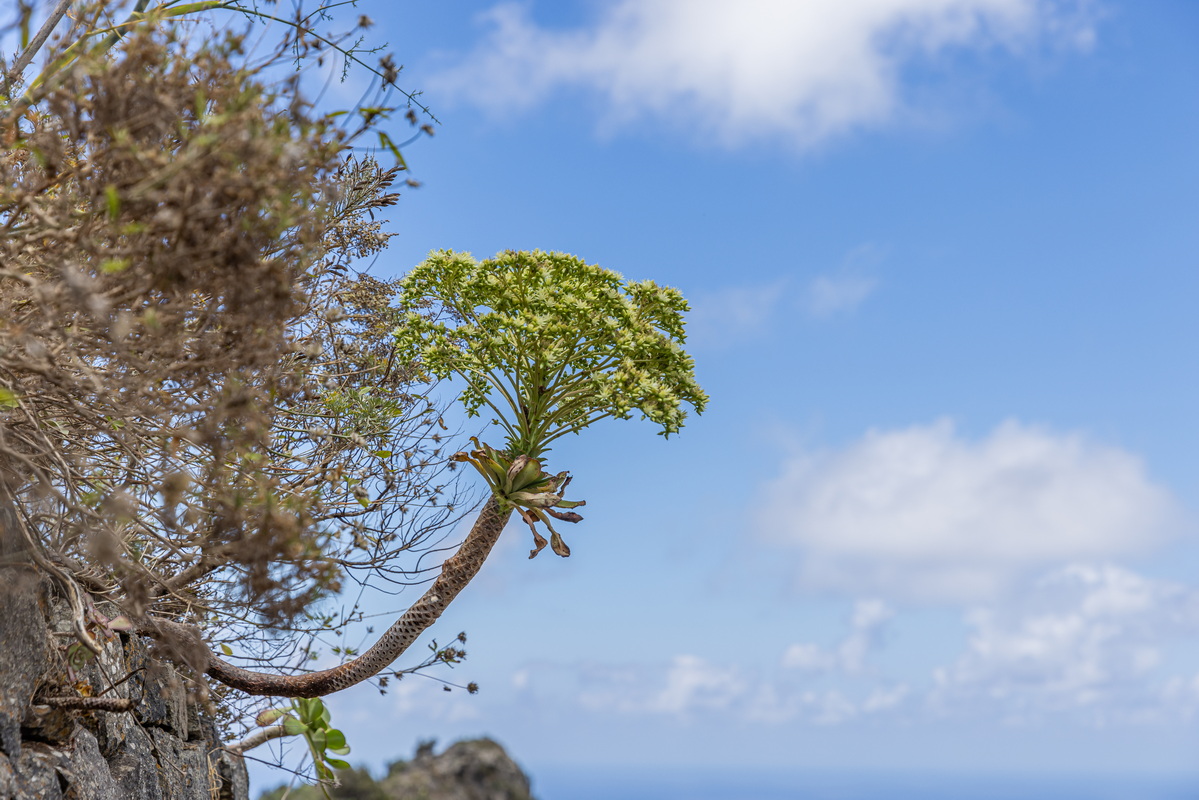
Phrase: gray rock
(134, 766)
(86, 771)
(235, 777)
(185, 770)
(158, 691)
(24, 643)
(33, 776)
(166, 749)
(477, 769)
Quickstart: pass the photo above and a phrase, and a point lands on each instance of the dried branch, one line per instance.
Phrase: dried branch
(202, 417)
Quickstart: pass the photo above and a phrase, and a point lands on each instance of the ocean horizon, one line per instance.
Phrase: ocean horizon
(592, 783)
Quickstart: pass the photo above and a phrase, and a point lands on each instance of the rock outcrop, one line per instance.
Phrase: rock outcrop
(477, 769)
(161, 748)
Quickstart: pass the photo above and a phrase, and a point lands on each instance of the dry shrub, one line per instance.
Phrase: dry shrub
(200, 412)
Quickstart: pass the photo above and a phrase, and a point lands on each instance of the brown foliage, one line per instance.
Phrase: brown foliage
(200, 413)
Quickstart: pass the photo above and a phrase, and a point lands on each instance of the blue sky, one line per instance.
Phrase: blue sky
(941, 512)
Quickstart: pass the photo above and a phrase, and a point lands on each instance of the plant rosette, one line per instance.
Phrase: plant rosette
(520, 483)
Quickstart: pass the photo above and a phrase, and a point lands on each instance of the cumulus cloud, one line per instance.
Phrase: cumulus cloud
(1090, 643)
(1085, 638)
(923, 512)
(693, 684)
(690, 684)
(738, 71)
(866, 630)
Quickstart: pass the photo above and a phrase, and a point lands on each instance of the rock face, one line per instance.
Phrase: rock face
(478, 769)
(163, 748)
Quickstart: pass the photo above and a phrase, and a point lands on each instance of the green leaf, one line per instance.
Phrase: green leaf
(26, 17)
(309, 709)
(8, 399)
(336, 739)
(192, 8)
(293, 727)
(113, 200)
(337, 763)
(318, 739)
(386, 141)
(110, 266)
(226, 649)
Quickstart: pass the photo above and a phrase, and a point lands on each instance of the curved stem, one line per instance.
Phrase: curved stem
(456, 572)
(258, 737)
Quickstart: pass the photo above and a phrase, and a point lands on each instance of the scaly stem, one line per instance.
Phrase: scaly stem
(456, 572)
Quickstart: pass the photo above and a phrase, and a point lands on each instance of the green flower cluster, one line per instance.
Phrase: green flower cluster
(549, 343)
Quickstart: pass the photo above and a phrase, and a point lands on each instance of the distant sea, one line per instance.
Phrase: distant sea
(591, 784)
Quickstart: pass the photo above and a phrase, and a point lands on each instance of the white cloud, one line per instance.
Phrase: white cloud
(921, 512)
(829, 707)
(1084, 638)
(830, 294)
(424, 698)
(845, 288)
(691, 684)
(866, 629)
(1089, 643)
(1181, 693)
(885, 698)
(809, 658)
(734, 313)
(739, 71)
(780, 703)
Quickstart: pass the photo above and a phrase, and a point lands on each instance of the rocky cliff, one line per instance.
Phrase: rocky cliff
(141, 739)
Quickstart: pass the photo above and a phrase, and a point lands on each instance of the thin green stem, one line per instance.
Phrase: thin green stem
(585, 422)
(495, 382)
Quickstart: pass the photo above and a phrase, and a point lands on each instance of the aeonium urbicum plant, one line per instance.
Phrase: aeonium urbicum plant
(548, 344)
(528, 488)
